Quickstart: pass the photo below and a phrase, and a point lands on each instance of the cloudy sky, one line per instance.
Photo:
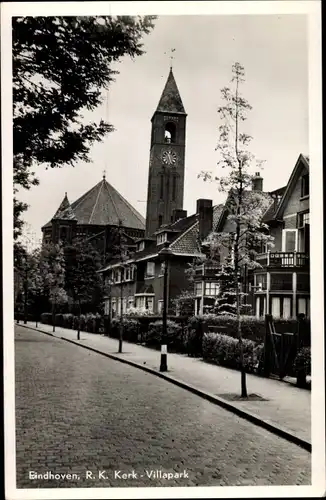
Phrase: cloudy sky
(273, 50)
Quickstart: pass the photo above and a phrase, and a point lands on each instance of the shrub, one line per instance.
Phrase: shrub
(225, 350)
(130, 329)
(252, 328)
(302, 361)
(46, 318)
(68, 320)
(174, 332)
(59, 320)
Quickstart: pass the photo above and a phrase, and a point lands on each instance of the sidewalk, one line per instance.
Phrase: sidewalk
(284, 405)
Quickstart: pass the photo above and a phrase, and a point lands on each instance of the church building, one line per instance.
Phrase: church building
(93, 216)
(138, 282)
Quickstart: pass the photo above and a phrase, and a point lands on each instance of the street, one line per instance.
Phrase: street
(83, 420)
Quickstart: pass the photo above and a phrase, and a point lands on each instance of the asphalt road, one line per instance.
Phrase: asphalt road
(90, 421)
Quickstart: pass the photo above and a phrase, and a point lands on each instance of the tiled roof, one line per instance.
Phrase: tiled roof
(188, 242)
(104, 205)
(63, 205)
(170, 99)
(186, 239)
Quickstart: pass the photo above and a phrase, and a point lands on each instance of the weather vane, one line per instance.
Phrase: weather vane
(171, 57)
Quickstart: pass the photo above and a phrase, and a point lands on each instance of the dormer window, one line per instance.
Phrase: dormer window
(162, 238)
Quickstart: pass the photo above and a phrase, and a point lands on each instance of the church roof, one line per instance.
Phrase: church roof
(170, 99)
(103, 205)
(63, 205)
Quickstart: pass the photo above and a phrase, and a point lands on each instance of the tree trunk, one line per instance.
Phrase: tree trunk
(25, 301)
(79, 314)
(121, 320)
(244, 393)
(37, 312)
(53, 314)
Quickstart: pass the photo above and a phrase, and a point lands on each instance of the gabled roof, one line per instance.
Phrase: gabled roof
(301, 164)
(225, 209)
(170, 100)
(104, 205)
(184, 239)
(277, 196)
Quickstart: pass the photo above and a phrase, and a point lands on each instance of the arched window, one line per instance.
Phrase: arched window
(161, 186)
(174, 187)
(170, 133)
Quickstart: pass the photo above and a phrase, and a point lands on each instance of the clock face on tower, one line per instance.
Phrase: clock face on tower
(169, 157)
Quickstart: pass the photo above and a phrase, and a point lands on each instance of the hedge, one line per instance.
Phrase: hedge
(88, 322)
(175, 337)
(225, 351)
(130, 329)
(252, 328)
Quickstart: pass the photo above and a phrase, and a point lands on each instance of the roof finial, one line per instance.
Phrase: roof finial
(66, 193)
(104, 174)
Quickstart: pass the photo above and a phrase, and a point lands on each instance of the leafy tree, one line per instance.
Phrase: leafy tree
(245, 207)
(83, 282)
(52, 269)
(226, 301)
(61, 65)
(184, 303)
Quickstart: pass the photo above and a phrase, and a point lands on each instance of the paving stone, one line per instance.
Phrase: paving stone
(87, 412)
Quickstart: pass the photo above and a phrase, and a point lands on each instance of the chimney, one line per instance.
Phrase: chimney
(205, 217)
(178, 213)
(257, 182)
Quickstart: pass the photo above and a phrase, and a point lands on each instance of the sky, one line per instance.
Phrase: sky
(274, 52)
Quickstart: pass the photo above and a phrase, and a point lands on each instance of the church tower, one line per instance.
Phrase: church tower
(167, 158)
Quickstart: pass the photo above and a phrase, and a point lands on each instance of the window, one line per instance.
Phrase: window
(261, 282)
(170, 133)
(141, 246)
(117, 276)
(174, 187)
(162, 269)
(289, 240)
(160, 220)
(305, 185)
(159, 306)
(150, 304)
(303, 219)
(276, 307)
(161, 186)
(198, 288)
(130, 302)
(127, 273)
(150, 270)
(161, 238)
(211, 288)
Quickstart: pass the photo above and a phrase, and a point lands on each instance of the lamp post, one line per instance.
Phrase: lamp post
(164, 255)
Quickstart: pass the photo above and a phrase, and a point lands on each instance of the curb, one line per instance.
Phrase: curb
(251, 417)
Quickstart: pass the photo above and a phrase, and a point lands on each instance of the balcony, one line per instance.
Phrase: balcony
(283, 259)
(207, 271)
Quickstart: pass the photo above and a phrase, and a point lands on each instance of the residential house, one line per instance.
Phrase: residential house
(138, 282)
(282, 284)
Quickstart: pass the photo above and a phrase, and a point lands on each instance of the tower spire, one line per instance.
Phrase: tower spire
(170, 100)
